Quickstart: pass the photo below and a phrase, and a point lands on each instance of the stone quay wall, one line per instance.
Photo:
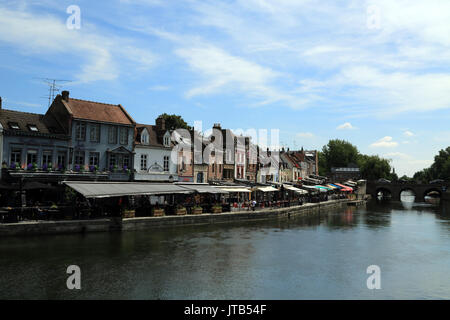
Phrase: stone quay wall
(142, 223)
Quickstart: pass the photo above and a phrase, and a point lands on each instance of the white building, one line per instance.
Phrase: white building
(152, 153)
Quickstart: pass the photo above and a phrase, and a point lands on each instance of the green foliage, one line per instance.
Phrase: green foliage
(69, 195)
(440, 169)
(337, 153)
(374, 167)
(173, 121)
(341, 153)
(323, 171)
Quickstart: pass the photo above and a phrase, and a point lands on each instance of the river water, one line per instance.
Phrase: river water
(322, 257)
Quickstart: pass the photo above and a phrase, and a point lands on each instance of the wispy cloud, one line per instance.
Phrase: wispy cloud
(98, 53)
(306, 135)
(386, 142)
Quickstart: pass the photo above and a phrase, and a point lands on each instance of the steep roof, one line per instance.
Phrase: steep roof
(24, 120)
(155, 138)
(97, 111)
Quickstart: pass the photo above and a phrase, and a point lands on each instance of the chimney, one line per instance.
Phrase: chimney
(217, 126)
(65, 95)
(160, 123)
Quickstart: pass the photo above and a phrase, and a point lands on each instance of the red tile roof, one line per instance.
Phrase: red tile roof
(96, 111)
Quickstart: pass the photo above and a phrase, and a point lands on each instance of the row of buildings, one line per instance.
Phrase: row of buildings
(84, 140)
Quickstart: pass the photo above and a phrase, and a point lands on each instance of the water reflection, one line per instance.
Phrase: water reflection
(308, 257)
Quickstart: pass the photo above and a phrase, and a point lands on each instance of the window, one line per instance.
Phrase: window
(167, 140)
(94, 158)
(79, 157)
(14, 125)
(61, 159)
(213, 165)
(95, 133)
(31, 156)
(166, 163)
(183, 163)
(123, 135)
(112, 134)
(33, 128)
(144, 138)
(112, 160)
(143, 162)
(126, 161)
(80, 131)
(47, 157)
(16, 156)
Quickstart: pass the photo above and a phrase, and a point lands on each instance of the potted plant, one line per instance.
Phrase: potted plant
(181, 210)
(14, 166)
(93, 168)
(129, 213)
(197, 210)
(217, 208)
(47, 167)
(127, 170)
(157, 212)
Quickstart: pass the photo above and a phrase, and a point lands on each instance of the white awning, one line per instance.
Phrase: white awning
(266, 189)
(291, 188)
(202, 188)
(118, 189)
(233, 189)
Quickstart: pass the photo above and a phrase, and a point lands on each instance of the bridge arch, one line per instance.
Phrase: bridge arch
(408, 188)
(432, 189)
(383, 193)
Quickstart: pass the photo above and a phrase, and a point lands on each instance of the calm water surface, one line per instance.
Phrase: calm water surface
(323, 257)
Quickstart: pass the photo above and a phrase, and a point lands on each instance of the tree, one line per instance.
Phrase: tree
(440, 169)
(173, 121)
(374, 168)
(338, 153)
(322, 164)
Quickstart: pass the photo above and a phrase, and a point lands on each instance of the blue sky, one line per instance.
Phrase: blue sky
(375, 73)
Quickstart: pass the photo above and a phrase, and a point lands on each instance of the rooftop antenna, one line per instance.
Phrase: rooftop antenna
(54, 86)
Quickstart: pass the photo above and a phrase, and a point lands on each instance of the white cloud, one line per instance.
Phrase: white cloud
(306, 135)
(385, 142)
(408, 133)
(345, 126)
(97, 55)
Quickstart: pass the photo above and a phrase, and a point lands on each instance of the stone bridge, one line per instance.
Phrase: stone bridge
(395, 189)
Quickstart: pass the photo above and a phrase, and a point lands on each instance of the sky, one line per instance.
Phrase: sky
(374, 73)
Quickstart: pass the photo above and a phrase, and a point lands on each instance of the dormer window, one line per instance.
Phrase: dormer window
(14, 125)
(33, 128)
(167, 140)
(144, 138)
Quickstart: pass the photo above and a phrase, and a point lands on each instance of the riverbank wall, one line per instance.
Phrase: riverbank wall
(130, 224)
